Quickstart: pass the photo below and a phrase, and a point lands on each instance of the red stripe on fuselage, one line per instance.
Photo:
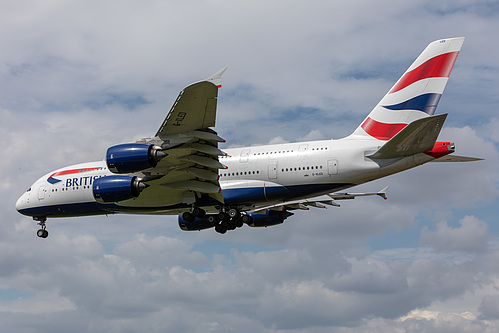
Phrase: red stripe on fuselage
(439, 66)
(381, 131)
(69, 172)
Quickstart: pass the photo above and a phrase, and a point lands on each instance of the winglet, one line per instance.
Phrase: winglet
(382, 193)
(216, 78)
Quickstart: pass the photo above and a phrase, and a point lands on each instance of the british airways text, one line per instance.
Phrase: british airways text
(81, 181)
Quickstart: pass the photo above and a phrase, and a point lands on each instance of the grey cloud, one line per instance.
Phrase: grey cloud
(471, 236)
(489, 307)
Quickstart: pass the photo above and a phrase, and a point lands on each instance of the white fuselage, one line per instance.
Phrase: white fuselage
(254, 175)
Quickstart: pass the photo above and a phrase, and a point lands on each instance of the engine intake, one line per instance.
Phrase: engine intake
(132, 157)
(117, 188)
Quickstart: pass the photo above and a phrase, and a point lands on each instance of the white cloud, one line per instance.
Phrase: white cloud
(471, 236)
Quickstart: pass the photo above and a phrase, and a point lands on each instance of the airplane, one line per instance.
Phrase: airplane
(181, 170)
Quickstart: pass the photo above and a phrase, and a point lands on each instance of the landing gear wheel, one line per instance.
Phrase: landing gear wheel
(223, 216)
(188, 217)
(246, 219)
(42, 233)
(239, 222)
(212, 219)
(233, 213)
(220, 229)
(198, 212)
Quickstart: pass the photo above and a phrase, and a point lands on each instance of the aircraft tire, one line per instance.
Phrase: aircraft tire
(188, 217)
(222, 216)
(198, 212)
(233, 212)
(220, 229)
(246, 219)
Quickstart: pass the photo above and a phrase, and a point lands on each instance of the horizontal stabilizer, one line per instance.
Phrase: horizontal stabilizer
(455, 158)
(417, 137)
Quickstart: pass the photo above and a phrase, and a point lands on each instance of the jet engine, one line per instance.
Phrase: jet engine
(132, 157)
(116, 188)
(199, 223)
(272, 217)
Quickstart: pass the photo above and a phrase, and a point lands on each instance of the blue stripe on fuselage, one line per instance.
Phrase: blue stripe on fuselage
(237, 196)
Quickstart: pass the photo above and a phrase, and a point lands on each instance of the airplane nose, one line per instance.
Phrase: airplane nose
(21, 203)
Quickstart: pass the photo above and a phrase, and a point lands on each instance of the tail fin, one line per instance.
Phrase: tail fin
(416, 93)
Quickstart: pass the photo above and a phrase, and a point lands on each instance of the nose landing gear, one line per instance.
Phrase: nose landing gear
(42, 233)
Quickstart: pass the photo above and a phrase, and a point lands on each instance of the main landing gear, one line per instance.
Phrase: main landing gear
(42, 233)
(226, 219)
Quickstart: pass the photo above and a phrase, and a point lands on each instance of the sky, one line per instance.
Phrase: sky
(79, 76)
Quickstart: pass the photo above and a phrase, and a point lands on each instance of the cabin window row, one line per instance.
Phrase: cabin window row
(277, 152)
(317, 167)
(274, 152)
(245, 173)
(74, 188)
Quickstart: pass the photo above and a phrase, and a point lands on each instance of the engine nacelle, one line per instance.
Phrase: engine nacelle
(199, 223)
(116, 188)
(272, 217)
(132, 157)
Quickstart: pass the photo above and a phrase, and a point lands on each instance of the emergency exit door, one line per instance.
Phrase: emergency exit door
(332, 167)
(272, 170)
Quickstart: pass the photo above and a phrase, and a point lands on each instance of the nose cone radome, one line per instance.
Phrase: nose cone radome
(21, 204)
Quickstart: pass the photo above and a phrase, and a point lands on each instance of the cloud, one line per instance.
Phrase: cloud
(471, 236)
(489, 308)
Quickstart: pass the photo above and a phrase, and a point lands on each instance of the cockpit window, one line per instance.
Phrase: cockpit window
(29, 189)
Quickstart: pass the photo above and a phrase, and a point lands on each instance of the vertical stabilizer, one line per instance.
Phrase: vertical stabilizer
(416, 93)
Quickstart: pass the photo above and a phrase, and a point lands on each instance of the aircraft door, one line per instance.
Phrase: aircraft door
(332, 167)
(41, 193)
(302, 152)
(244, 156)
(272, 170)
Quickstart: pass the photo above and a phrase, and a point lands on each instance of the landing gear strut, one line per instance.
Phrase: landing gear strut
(42, 233)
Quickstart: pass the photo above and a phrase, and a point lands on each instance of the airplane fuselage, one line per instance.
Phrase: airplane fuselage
(268, 173)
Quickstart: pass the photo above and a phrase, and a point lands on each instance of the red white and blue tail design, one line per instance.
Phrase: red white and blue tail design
(416, 93)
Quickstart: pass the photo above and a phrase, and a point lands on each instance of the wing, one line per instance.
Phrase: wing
(195, 107)
(319, 202)
(189, 171)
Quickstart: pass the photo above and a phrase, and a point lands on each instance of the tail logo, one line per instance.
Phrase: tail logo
(439, 66)
(381, 131)
(378, 124)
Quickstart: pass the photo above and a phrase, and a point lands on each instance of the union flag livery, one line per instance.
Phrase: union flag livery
(416, 94)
